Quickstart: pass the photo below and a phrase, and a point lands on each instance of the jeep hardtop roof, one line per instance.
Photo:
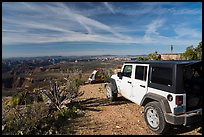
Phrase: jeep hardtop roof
(172, 62)
(177, 77)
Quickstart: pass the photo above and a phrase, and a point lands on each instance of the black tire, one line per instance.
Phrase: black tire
(154, 118)
(110, 94)
(93, 82)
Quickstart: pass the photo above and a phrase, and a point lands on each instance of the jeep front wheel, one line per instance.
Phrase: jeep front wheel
(154, 117)
(109, 92)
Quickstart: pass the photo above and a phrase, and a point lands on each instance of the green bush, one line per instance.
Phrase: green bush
(192, 53)
(24, 119)
(36, 119)
(22, 98)
(15, 100)
(26, 114)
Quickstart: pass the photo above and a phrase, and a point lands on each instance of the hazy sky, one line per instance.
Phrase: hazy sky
(98, 28)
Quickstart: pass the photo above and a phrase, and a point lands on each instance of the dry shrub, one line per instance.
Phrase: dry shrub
(26, 116)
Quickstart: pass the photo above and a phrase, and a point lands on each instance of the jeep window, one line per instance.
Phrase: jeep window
(141, 73)
(193, 78)
(127, 71)
(162, 75)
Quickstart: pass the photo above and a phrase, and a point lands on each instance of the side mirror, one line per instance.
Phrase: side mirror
(119, 74)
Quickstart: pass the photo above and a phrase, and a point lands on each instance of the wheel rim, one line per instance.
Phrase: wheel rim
(152, 118)
(108, 91)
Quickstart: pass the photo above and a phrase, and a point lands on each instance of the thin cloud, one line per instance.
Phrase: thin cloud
(152, 29)
(185, 11)
(109, 7)
(156, 9)
(187, 31)
(77, 21)
(131, 23)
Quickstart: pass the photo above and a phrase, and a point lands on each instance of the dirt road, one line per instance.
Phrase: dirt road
(102, 117)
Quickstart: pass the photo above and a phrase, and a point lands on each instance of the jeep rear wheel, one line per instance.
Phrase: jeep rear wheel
(154, 118)
(110, 93)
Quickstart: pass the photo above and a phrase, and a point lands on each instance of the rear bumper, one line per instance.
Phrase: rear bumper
(184, 119)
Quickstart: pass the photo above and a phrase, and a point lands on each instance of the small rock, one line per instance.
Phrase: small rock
(69, 119)
(20, 132)
(117, 126)
(3, 127)
(80, 113)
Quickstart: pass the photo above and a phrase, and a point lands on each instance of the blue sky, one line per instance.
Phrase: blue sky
(98, 28)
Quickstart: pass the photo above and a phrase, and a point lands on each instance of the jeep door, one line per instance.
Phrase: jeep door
(139, 82)
(126, 81)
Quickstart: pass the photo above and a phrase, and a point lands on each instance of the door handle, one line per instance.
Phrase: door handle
(129, 82)
(142, 86)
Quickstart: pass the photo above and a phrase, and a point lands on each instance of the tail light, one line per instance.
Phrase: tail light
(179, 100)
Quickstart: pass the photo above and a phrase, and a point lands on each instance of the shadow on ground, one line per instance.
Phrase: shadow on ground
(92, 104)
(174, 130)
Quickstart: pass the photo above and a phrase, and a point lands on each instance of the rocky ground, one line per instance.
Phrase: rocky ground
(122, 117)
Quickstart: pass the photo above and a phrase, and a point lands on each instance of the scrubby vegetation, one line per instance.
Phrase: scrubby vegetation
(154, 56)
(31, 78)
(192, 53)
(36, 119)
(46, 111)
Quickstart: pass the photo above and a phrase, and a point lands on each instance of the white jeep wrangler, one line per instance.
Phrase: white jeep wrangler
(170, 91)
